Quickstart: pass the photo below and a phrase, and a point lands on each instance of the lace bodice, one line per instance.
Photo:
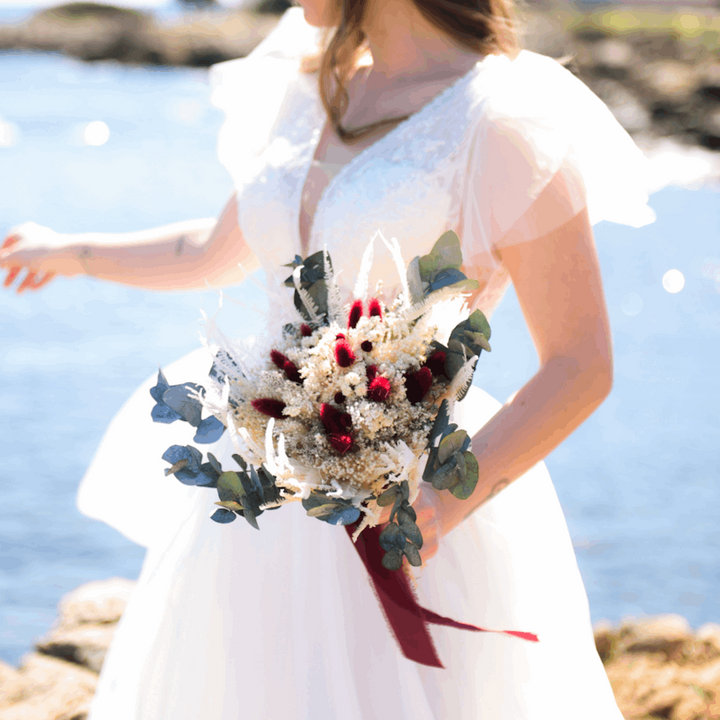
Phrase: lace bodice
(476, 159)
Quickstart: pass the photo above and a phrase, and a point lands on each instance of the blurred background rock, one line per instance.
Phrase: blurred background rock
(656, 64)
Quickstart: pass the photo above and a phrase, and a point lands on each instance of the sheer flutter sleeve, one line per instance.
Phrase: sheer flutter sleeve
(252, 91)
(545, 148)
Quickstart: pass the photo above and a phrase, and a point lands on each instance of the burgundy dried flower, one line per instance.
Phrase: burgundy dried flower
(344, 355)
(269, 406)
(287, 366)
(375, 309)
(436, 363)
(278, 358)
(292, 372)
(334, 421)
(379, 389)
(366, 346)
(340, 336)
(371, 372)
(341, 443)
(417, 384)
(356, 312)
(305, 330)
(339, 398)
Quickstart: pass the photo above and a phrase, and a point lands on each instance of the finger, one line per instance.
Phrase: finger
(28, 282)
(10, 240)
(44, 280)
(13, 272)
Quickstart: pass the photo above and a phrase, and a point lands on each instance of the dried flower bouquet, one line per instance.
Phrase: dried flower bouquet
(350, 408)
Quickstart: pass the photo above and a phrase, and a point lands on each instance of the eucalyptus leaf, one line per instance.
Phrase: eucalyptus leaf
(445, 278)
(181, 398)
(250, 517)
(388, 497)
(257, 485)
(161, 413)
(445, 254)
(441, 422)
(407, 511)
(215, 463)
(392, 538)
(412, 554)
(239, 460)
(175, 453)
(430, 465)
(392, 560)
(399, 500)
(451, 444)
(230, 505)
(411, 531)
(344, 516)
(322, 511)
(210, 475)
(209, 430)
(467, 483)
(446, 475)
(221, 515)
(161, 386)
(230, 487)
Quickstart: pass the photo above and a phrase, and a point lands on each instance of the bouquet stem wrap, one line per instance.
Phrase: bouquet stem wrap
(408, 621)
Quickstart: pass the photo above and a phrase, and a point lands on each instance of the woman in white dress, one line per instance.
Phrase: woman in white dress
(520, 159)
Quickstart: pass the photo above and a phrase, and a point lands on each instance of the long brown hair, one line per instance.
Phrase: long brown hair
(482, 26)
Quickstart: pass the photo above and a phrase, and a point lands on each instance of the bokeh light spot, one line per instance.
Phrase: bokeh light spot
(8, 134)
(673, 281)
(631, 304)
(96, 133)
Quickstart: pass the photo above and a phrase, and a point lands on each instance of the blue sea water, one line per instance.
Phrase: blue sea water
(638, 481)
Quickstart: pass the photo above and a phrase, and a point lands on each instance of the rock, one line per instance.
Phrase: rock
(669, 79)
(614, 53)
(659, 634)
(709, 633)
(47, 688)
(86, 645)
(101, 601)
(58, 681)
(606, 639)
(709, 129)
(93, 31)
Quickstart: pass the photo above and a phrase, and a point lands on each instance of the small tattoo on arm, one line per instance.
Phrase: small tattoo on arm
(180, 246)
(83, 255)
(499, 485)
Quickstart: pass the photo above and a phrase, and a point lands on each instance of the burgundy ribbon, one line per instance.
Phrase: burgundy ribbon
(407, 619)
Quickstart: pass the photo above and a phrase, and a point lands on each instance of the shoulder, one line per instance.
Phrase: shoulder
(529, 89)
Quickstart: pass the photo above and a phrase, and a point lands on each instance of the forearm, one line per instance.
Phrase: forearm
(525, 430)
(183, 256)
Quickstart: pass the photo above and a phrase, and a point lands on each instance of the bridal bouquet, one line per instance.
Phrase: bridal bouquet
(348, 408)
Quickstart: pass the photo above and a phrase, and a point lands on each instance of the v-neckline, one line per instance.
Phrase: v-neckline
(361, 156)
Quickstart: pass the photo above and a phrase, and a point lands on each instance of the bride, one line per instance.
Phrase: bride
(410, 117)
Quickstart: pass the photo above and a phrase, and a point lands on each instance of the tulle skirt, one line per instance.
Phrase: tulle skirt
(227, 622)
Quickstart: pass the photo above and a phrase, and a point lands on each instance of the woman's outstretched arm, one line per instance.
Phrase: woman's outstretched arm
(557, 279)
(182, 256)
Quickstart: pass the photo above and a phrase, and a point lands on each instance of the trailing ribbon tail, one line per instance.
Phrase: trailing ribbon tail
(406, 618)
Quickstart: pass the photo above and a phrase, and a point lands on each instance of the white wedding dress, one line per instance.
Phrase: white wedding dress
(227, 622)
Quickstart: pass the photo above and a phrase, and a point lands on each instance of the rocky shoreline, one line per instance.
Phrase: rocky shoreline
(658, 71)
(658, 666)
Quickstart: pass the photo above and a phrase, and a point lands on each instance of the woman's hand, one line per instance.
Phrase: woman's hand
(32, 255)
(427, 507)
